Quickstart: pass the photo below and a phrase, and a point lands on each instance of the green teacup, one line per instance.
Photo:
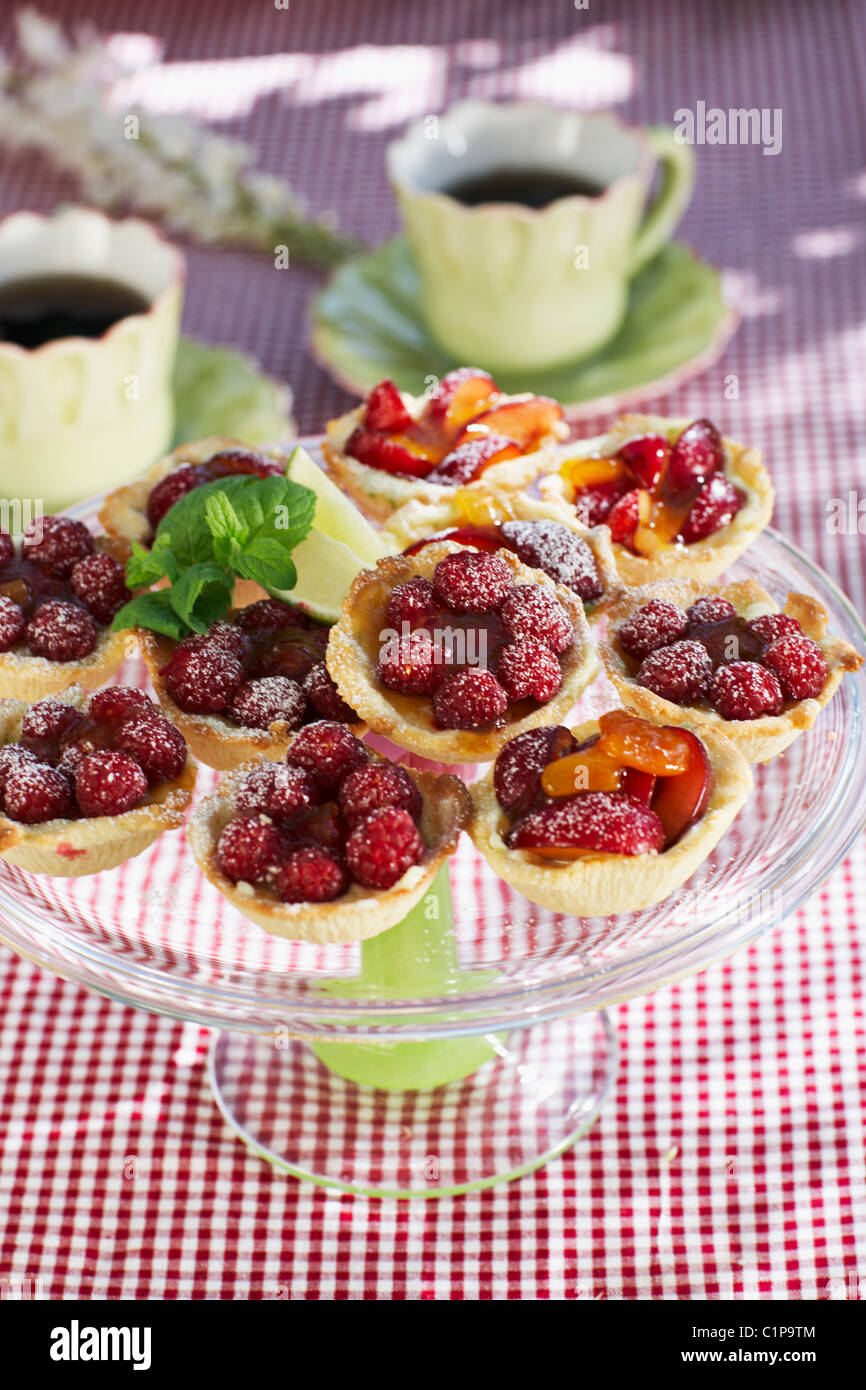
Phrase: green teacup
(515, 287)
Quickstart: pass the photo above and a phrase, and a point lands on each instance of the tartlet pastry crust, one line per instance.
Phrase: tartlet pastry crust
(378, 493)
(211, 738)
(600, 885)
(353, 649)
(758, 740)
(469, 505)
(703, 560)
(361, 912)
(66, 848)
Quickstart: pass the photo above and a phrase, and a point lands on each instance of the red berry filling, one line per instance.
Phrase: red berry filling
(226, 464)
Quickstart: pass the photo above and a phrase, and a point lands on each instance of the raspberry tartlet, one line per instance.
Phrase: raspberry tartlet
(242, 689)
(726, 658)
(544, 535)
(393, 446)
(59, 592)
(680, 501)
(87, 783)
(335, 843)
(451, 652)
(608, 817)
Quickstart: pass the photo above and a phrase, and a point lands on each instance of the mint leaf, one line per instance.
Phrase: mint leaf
(201, 595)
(267, 562)
(288, 512)
(184, 529)
(152, 610)
(143, 568)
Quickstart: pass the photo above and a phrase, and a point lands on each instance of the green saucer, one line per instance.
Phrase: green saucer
(220, 391)
(367, 325)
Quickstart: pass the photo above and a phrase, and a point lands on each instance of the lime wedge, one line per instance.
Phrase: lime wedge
(326, 569)
(336, 516)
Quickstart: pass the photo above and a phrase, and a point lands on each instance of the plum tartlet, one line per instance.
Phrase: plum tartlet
(86, 784)
(333, 844)
(58, 595)
(243, 688)
(544, 535)
(727, 658)
(609, 817)
(394, 446)
(680, 501)
(451, 652)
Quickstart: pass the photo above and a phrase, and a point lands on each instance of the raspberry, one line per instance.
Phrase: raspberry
(34, 792)
(276, 790)
(799, 664)
(268, 615)
(169, 490)
(202, 677)
(697, 455)
(7, 549)
(324, 696)
(528, 671)
(521, 762)
(382, 847)
(157, 746)
(258, 704)
(250, 848)
(385, 409)
(378, 784)
(58, 542)
(471, 699)
(550, 546)
(329, 752)
(532, 613)
(608, 822)
(680, 672)
(593, 504)
(410, 665)
(646, 458)
(715, 506)
(472, 581)
(61, 632)
(651, 626)
(772, 625)
(712, 608)
(99, 581)
(117, 701)
(49, 721)
(412, 602)
(310, 874)
(109, 783)
(229, 638)
(745, 690)
(12, 623)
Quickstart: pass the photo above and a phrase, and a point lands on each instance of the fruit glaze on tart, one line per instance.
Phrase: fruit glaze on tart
(243, 688)
(334, 844)
(451, 652)
(88, 783)
(394, 446)
(680, 501)
(728, 659)
(609, 817)
(544, 535)
(58, 595)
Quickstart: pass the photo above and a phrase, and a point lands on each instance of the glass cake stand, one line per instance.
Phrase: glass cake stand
(467, 1045)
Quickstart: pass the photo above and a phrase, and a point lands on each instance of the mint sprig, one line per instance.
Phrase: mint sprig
(243, 526)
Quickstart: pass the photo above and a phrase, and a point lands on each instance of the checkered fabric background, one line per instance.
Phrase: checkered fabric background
(730, 1161)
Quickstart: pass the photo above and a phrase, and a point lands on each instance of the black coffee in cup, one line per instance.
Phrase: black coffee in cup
(530, 187)
(42, 308)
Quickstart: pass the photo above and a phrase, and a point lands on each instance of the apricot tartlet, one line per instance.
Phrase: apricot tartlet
(545, 535)
(680, 501)
(58, 595)
(394, 446)
(726, 658)
(335, 843)
(608, 817)
(243, 688)
(87, 784)
(451, 652)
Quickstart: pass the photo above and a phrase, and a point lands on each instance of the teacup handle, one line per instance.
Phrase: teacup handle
(678, 177)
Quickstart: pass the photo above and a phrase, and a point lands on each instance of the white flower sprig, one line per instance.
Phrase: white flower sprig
(58, 99)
